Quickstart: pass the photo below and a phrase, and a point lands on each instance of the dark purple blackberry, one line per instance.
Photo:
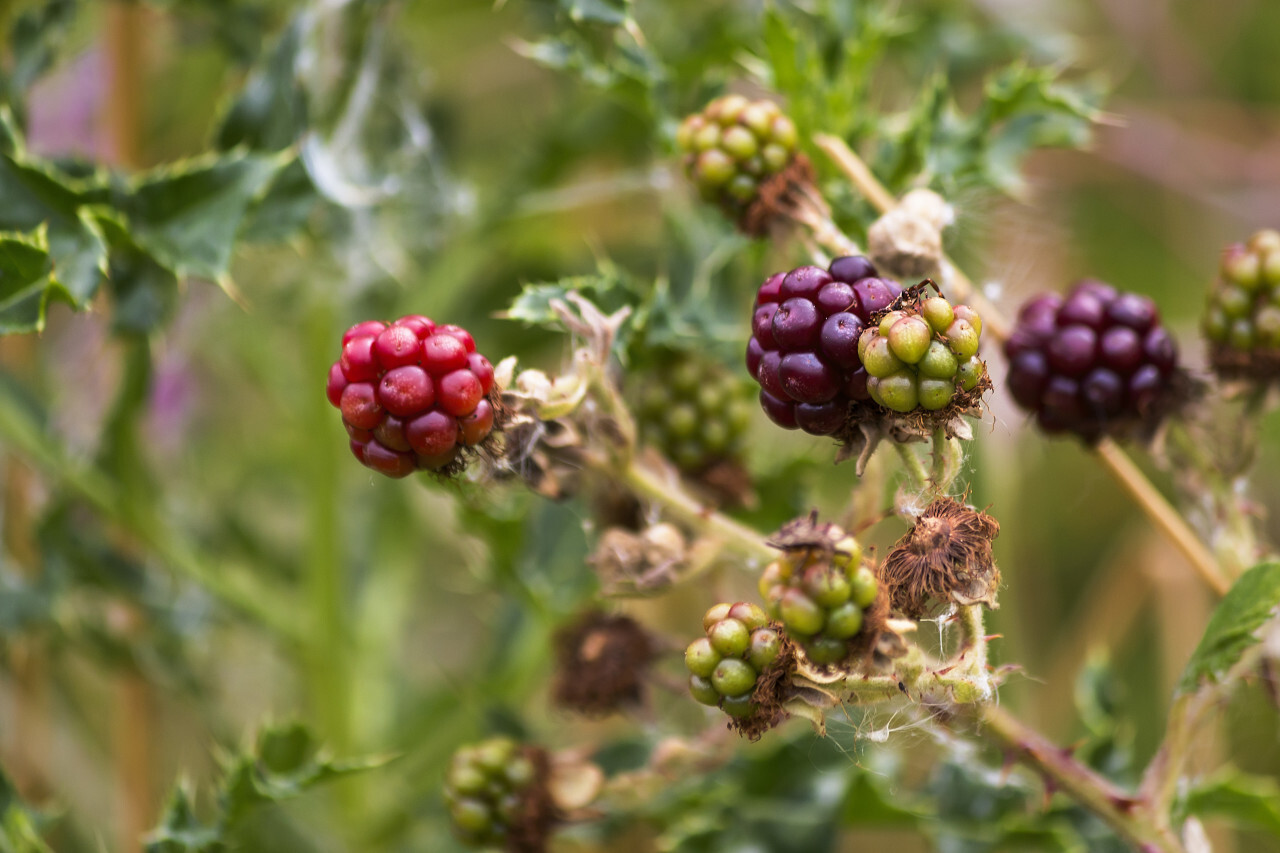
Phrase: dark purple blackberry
(804, 344)
(1095, 363)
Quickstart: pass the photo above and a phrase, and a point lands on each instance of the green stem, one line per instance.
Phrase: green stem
(973, 640)
(913, 467)
(680, 506)
(328, 652)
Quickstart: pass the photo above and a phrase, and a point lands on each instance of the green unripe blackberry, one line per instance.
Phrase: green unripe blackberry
(693, 410)
(488, 787)
(733, 147)
(1242, 318)
(923, 355)
(819, 590)
(725, 665)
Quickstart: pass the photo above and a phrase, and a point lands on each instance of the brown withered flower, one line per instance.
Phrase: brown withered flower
(601, 664)
(944, 559)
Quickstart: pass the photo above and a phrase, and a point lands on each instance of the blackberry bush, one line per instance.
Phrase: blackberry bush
(496, 797)
(923, 355)
(413, 395)
(733, 148)
(725, 666)
(804, 344)
(1242, 319)
(819, 590)
(1096, 362)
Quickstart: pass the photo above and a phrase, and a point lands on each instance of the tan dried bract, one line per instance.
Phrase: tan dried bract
(944, 559)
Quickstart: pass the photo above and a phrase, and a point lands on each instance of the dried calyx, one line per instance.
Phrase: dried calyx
(602, 661)
(944, 560)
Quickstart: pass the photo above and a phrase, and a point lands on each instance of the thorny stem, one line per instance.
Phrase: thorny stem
(1133, 819)
(972, 639)
(1138, 486)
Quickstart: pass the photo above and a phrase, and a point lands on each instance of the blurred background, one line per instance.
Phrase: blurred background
(440, 156)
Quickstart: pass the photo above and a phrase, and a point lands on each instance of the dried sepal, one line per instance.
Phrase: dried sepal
(773, 694)
(945, 559)
(638, 563)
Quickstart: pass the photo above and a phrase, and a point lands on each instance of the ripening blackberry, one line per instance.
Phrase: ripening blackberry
(733, 147)
(495, 793)
(725, 665)
(820, 591)
(693, 410)
(804, 344)
(1242, 319)
(1095, 363)
(923, 355)
(413, 395)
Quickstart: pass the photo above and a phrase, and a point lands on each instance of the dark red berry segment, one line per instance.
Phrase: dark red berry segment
(804, 344)
(410, 393)
(1093, 363)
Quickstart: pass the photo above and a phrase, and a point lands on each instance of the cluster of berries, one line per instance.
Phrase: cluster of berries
(487, 788)
(804, 343)
(412, 394)
(733, 146)
(922, 355)
(693, 410)
(1242, 320)
(820, 595)
(1094, 363)
(725, 664)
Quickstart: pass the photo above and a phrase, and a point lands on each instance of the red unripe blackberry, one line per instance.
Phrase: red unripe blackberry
(1242, 318)
(1096, 362)
(411, 394)
(804, 343)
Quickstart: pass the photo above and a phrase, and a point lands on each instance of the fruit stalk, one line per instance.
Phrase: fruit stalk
(1157, 509)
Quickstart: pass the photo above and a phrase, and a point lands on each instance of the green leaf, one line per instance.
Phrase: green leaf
(187, 215)
(34, 41)
(26, 281)
(608, 291)
(1233, 629)
(35, 194)
(144, 291)
(286, 763)
(866, 804)
(284, 209)
(180, 831)
(271, 111)
(1250, 800)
